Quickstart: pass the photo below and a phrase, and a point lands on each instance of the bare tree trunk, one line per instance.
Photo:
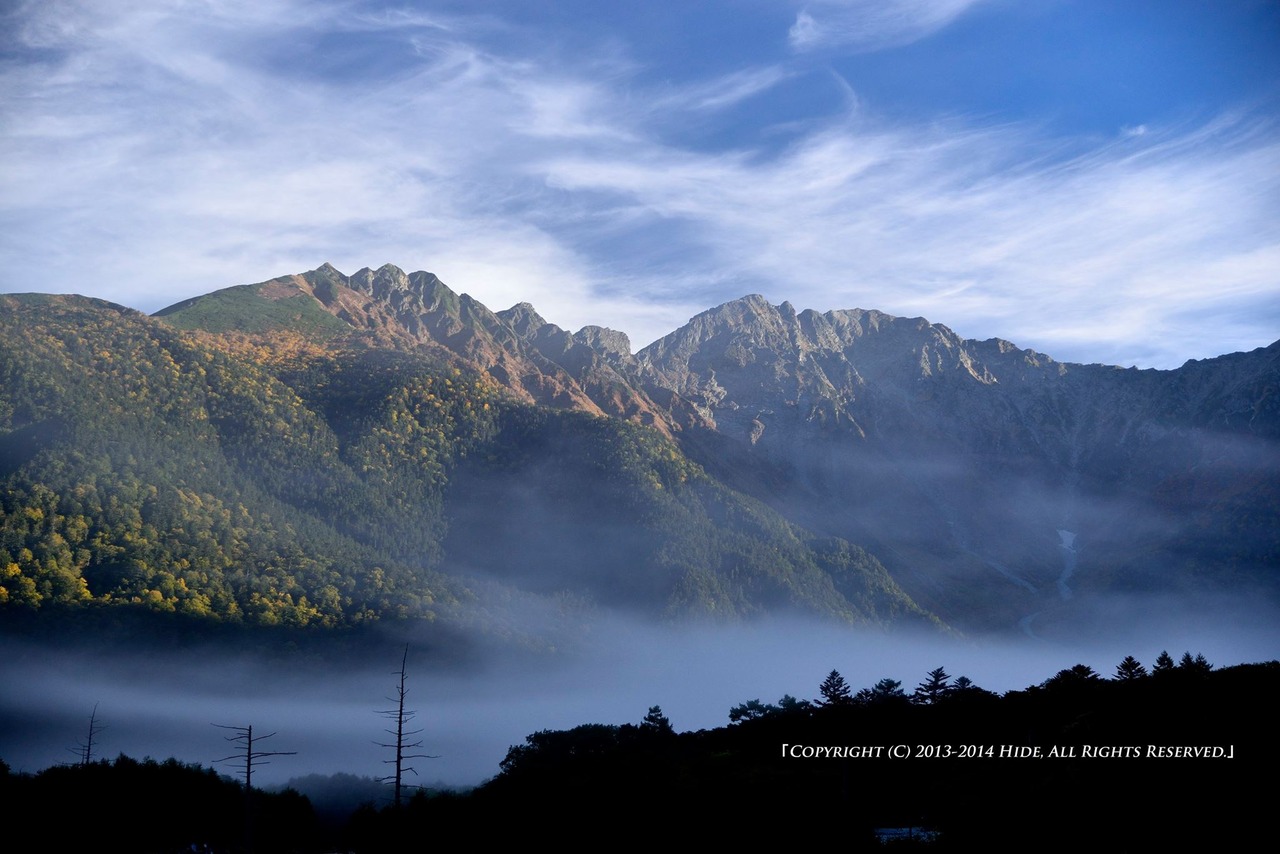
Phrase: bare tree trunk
(402, 717)
(85, 748)
(244, 738)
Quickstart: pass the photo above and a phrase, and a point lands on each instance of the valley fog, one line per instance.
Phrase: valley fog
(162, 704)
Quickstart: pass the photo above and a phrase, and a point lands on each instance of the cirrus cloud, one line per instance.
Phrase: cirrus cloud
(155, 151)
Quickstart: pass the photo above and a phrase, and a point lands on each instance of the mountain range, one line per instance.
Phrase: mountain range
(329, 450)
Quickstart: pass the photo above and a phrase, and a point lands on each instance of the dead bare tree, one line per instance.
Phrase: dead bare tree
(402, 718)
(247, 753)
(84, 749)
(244, 736)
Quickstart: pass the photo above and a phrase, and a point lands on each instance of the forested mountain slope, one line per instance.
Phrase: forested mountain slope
(290, 473)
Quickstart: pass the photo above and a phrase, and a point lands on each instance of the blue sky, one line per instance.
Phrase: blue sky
(1096, 180)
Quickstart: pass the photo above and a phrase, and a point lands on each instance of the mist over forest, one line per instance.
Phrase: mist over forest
(162, 703)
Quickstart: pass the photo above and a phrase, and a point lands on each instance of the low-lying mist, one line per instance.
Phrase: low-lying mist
(162, 703)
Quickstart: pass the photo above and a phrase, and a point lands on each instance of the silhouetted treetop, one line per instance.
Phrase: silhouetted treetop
(1129, 669)
(933, 688)
(834, 690)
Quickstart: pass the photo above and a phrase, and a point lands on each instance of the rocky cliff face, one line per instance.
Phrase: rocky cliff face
(977, 469)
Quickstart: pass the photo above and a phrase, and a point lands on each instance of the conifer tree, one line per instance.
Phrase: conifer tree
(834, 690)
(933, 688)
(885, 691)
(1130, 669)
(1199, 664)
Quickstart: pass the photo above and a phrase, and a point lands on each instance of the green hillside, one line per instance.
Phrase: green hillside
(243, 309)
(287, 479)
(141, 467)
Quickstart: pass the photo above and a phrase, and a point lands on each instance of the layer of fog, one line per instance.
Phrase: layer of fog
(163, 704)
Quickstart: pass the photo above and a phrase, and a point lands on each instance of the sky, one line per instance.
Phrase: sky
(1098, 181)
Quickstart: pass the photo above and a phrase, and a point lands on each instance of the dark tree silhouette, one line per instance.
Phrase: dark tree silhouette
(750, 710)
(1164, 663)
(753, 709)
(834, 690)
(1130, 669)
(933, 688)
(247, 753)
(788, 703)
(1199, 664)
(250, 756)
(964, 689)
(402, 718)
(1079, 674)
(657, 723)
(84, 749)
(885, 691)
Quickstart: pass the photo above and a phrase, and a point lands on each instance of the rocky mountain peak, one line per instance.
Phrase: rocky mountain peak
(607, 342)
(327, 283)
(524, 319)
(380, 283)
(742, 311)
(749, 319)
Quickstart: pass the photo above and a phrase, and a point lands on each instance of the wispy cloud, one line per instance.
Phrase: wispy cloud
(868, 25)
(1106, 252)
(143, 142)
(155, 151)
(722, 92)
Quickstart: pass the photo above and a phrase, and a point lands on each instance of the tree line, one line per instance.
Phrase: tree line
(734, 781)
